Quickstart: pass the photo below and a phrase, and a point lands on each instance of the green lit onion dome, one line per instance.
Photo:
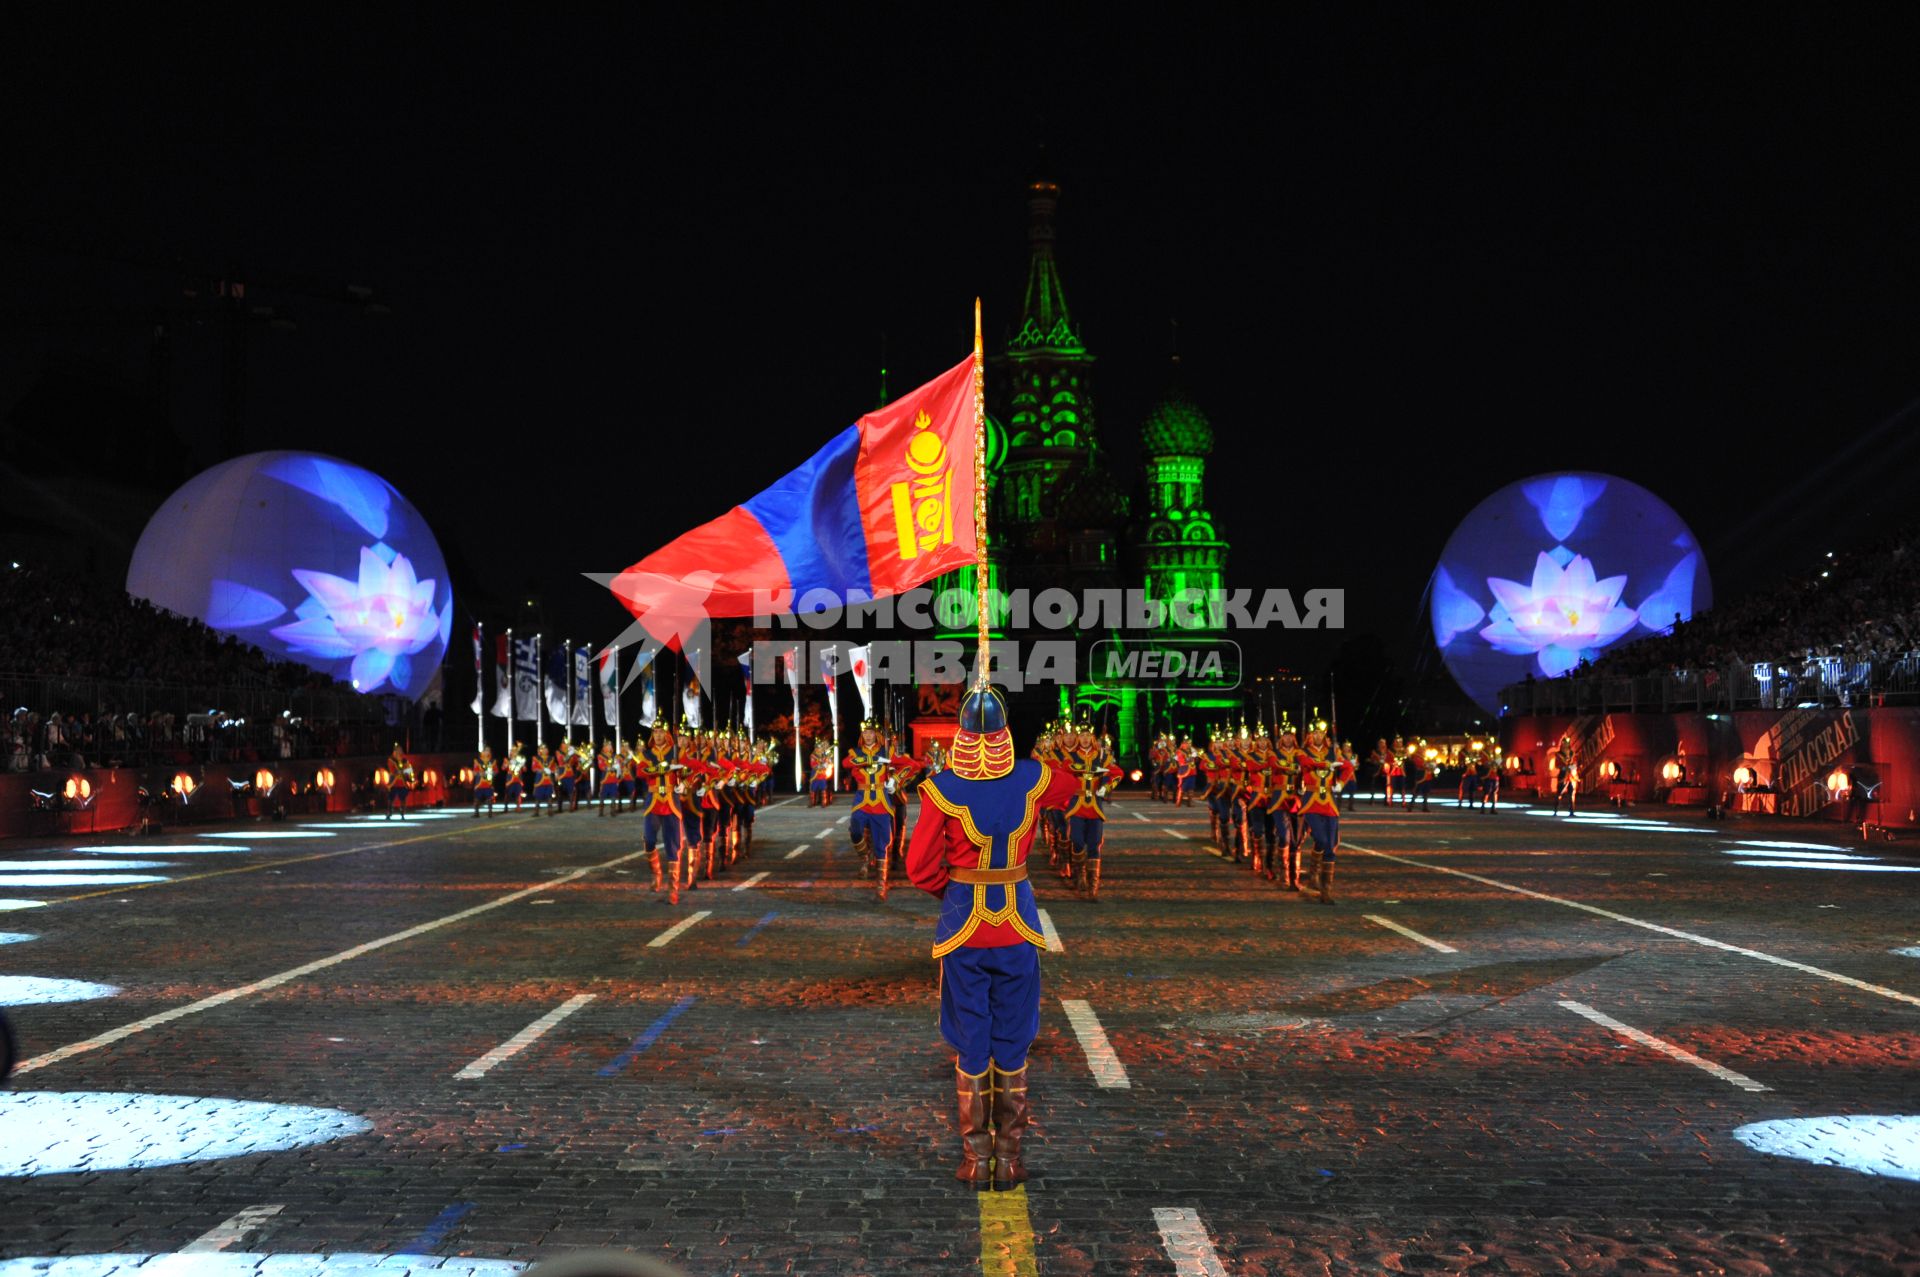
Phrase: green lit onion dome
(1177, 428)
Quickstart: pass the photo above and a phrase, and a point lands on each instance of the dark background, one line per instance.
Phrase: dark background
(632, 270)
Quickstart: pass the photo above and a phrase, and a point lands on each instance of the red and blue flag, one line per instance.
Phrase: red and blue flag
(886, 505)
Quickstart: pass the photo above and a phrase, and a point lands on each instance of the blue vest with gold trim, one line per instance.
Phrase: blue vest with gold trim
(997, 816)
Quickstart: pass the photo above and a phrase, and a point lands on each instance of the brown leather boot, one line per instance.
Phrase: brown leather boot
(1093, 881)
(863, 848)
(973, 1119)
(1213, 818)
(1291, 857)
(654, 858)
(1326, 882)
(1080, 871)
(885, 867)
(1010, 1117)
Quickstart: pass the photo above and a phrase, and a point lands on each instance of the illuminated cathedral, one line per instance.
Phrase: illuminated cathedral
(1061, 516)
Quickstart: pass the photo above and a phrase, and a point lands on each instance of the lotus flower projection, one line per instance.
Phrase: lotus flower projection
(310, 558)
(380, 618)
(1553, 570)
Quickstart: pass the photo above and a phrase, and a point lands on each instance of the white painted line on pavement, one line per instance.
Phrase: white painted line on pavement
(1409, 933)
(1188, 1243)
(224, 1235)
(1632, 1034)
(1052, 936)
(524, 1038)
(1175, 832)
(667, 937)
(1141, 815)
(1704, 941)
(796, 851)
(287, 977)
(1108, 1073)
(825, 833)
(754, 881)
(1912, 951)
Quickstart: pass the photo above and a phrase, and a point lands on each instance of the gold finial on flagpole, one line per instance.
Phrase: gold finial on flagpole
(980, 492)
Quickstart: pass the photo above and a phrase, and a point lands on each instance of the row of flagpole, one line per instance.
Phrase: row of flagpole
(523, 690)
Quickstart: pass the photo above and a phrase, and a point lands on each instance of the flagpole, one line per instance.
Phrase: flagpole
(539, 715)
(480, 692)
(566, 673)
(980, 492)
(619, 740)
(511, 680)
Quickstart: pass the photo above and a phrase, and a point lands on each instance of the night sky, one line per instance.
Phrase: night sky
(637, 270)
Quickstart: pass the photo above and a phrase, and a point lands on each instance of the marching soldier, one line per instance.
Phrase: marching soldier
(516, 774)
(1566, 774)
(1091, 763)
(1256, 796)
(1322, 772)
(541, 778)
(612, 774)
(1284, 803)
(658, 770)
(483, 768)
(562, 774)
(1183, 767)
(970, 850)
(399, 782)
(820, 786)
(870, 828)
(1049, 748)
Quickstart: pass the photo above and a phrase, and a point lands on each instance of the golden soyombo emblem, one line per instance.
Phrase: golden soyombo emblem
(923, 505)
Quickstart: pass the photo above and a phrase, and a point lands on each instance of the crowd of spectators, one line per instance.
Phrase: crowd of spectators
(62, 625)
(1862, 605)
(74, 655)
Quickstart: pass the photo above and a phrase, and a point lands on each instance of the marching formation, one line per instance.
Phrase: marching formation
(1076, 833)
(698, 790)
(1273, 800)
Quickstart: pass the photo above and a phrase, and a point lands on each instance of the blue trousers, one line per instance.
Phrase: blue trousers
(1325, 832)
(664, 829)
(990, 1005)
(878, 826)
(1088, 833)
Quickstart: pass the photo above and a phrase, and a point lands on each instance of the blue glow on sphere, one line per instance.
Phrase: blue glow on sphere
(54, 1132)
(310, 558)
(1870, 1144)
(1555, 569)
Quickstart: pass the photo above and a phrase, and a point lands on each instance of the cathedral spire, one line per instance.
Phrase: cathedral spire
(1044, 320)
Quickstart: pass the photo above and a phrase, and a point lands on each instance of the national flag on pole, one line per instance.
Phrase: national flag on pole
(746, 675)
(610, 684)
(830, 675)
(582, 686)
(690, 703)
(526, 681)
(649, 701)
(859, 663)
(502, 685)
(886, 505)
(791, 660)
(556, 684)
(479, 671)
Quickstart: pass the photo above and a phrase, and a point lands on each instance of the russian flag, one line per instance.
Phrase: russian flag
(886, 505)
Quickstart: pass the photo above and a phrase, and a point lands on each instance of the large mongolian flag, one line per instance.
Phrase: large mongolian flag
(883, 507)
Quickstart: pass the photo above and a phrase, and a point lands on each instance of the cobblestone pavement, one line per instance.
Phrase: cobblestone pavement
(1290, 1087)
